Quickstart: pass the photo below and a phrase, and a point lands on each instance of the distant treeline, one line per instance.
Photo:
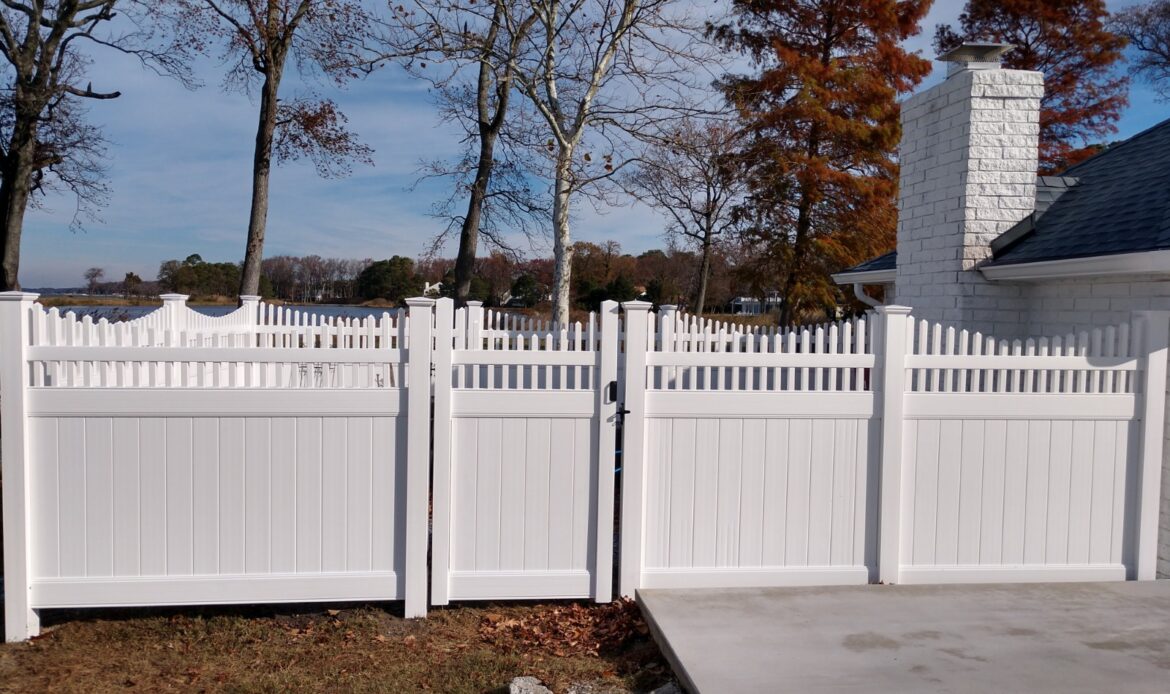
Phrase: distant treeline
(600, 272)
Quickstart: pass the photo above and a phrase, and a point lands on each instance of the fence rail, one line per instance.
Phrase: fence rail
(276, 455)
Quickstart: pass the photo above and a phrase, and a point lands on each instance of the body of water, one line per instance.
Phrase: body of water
(120, 313)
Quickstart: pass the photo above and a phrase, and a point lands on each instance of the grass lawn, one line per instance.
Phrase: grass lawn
(590, 648)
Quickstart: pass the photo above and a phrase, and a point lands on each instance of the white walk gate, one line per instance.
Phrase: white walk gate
(523, 459)
(277, 456)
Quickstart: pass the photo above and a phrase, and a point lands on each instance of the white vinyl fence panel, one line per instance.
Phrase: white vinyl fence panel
(756, 458)
(275, 455)
(524, 445)
(176, 461)
(1022, 458)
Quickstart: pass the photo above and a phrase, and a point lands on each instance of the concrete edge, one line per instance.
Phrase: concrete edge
(684, 677)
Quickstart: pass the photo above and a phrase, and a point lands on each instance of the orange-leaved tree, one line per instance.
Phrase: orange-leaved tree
(1069, 42)
(821, 126)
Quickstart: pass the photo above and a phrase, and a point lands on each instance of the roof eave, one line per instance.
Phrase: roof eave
(866, 277)
(1140, 263)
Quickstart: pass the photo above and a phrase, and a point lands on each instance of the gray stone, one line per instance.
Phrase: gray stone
(527, 685)
(668, 688)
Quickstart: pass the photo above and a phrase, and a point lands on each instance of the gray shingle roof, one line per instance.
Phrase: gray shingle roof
(1119, 204)
(1115, 202)
(889, 261)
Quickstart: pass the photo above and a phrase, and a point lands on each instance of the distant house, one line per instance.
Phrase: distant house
(433, 291)
(754, 305)
(985, 244)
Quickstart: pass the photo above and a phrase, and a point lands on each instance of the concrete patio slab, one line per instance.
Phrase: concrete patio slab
(1068, 637)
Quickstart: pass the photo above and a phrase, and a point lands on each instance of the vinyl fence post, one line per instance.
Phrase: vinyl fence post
(20, 619)
(418, 453)
(1155, 326)
(175, 315)
(251, 305)
(607, 356)
(441, 511)
(892, 393)
(634, 447)
(474, 325)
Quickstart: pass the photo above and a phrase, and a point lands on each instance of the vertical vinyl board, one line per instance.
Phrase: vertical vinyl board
(152, 435)
(334, 492)
(99, 497)
(911, 493)
(820, 516)
(992, 503)
(71, 471)
(309, 494)
(947, 514)
(284, 499)
(1105, 448)
(584, 493)
(537, 463)
(463, 502)
(487, 492)
(706, 483)
(257, 494)
(45, 486)
(1040, 441)
(359, 493)
(1017, 447)
(1081, 492)
(775, 490)
(560, 530)
(971, 480)
(928, 450)
(751, 509)
(179, 504)
(1055, 541)
(843, 493)
(727, 527)
(205, 540)
(655, 514)
(231, 495)
(127, 547)
(1121, 548)
(389, 486)
(797, 499)
(681, 508)
(513, 495)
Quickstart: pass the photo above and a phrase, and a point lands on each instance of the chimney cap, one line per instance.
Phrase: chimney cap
(976, 52)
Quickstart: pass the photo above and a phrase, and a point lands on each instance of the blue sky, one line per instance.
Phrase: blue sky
(180, 166)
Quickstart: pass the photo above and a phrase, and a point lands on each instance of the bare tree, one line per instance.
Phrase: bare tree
(598, 73)
(687, 175)
(259, 37)
(93, 277)
(46, 142)
(468, 53)
(1147, 27)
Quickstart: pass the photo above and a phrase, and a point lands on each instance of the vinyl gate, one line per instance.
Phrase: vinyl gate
(274, 456)
(524, 449)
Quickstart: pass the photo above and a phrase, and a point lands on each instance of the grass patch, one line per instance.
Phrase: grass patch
(367, 648)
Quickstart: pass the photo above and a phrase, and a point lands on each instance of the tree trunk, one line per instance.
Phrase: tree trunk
(704, 273)
(469, 232)
(562, 242)
(261, 169)
(15, 186)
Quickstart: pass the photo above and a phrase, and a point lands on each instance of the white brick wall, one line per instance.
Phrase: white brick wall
(969, 156)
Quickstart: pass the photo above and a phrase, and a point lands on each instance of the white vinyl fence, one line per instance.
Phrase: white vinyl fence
(272, 455)
(912, 453)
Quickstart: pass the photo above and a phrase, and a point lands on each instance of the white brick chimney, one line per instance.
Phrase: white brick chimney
(969, 156)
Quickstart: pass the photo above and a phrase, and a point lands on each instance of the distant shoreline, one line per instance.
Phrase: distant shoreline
(116, 301)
